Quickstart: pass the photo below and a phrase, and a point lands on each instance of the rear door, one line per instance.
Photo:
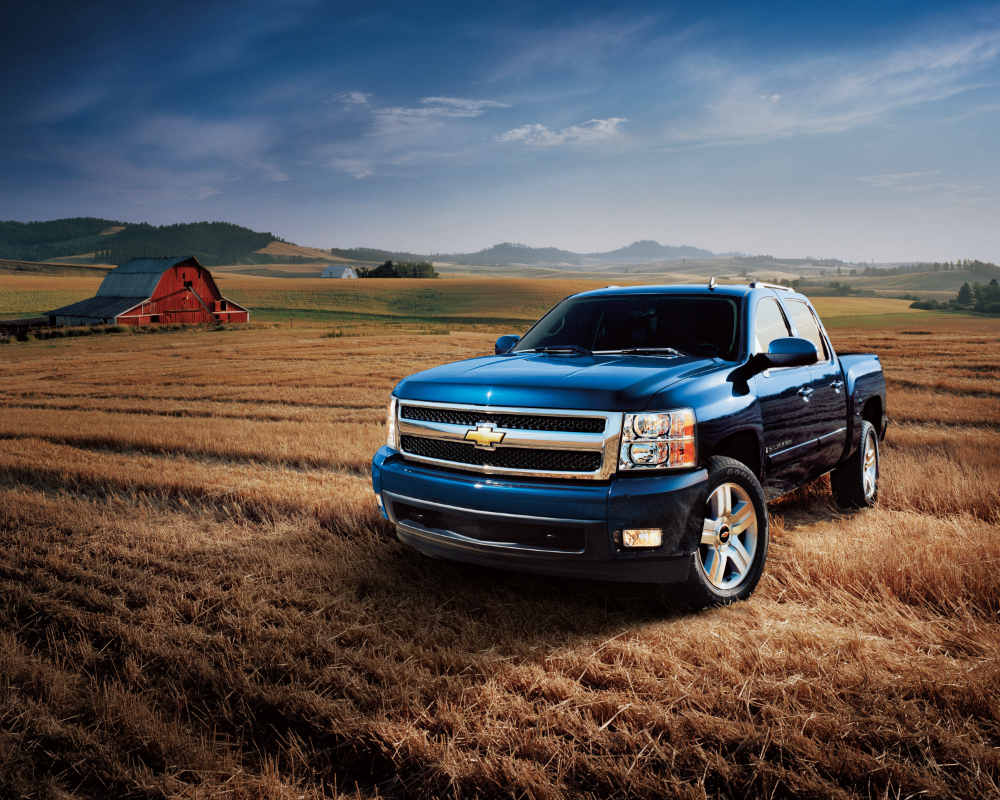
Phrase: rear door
(789, 424)
(829, 398)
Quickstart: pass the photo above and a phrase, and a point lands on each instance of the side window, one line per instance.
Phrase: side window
(806, 325)
(769, 324)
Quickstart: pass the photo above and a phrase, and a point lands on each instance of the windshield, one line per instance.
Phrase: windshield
(697, 325)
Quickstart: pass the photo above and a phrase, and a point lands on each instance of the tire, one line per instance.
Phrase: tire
(730, 559)
(855, 482)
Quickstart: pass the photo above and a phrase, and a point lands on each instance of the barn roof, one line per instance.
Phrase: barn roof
(336, 270)
(138, 278)
(98, 307)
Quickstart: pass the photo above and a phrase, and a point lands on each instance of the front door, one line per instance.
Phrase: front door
(784, 394)
(829, 397)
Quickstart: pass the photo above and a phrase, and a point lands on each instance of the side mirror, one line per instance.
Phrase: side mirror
(505, 344)
(790, 351)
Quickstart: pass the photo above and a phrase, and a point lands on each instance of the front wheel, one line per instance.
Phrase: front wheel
(730, 557)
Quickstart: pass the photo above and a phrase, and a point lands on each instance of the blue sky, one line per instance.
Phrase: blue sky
(852, 130)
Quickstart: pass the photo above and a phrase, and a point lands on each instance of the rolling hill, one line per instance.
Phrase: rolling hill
(506, 253)
(43, 241)
(648, 250)
(96, 240)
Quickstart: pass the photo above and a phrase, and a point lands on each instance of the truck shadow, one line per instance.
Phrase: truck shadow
(807, 504)
(509, 610)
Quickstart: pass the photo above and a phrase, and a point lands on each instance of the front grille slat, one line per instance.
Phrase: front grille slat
(539, 460)
(522, 422)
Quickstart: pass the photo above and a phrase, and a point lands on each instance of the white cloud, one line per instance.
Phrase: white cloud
(355, 167)
(206, 192)
(402, 135)
(354, 98)
(461, 106)
(889, 180)
(827, 95)
(589, 132)
(430, 114)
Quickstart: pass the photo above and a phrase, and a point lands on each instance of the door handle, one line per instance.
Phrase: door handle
(805, 393)
(837, 386)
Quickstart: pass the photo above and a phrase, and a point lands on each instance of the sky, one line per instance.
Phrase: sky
(862, 131)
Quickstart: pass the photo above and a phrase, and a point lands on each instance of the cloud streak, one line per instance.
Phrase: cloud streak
(401, 135)
(827, 95)
(592, 131)
(354, 98)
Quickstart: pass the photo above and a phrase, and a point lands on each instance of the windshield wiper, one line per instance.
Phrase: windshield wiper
(671, 351)
(563, 348)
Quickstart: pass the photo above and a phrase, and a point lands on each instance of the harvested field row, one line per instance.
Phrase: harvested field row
(260, 412)
(340, 446)
(253, 492)
(921, 405)
(333, 399)
(944, 383)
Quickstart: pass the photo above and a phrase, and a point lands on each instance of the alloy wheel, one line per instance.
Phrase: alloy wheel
(728, 536)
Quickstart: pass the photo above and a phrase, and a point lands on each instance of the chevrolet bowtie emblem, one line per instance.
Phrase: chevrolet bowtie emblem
(485, 436)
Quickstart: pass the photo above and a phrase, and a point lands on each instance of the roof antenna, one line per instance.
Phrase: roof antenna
(711, 283)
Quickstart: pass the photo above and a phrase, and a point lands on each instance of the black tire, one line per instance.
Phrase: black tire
(848, 481)
(701, 588)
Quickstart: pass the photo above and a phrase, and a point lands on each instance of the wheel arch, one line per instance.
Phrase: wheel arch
(872, 411)
(743, 446)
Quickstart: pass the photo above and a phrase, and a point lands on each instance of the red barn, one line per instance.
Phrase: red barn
(147, 291)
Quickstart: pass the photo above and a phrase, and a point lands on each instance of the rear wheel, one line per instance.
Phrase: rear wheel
(855, 482)
(730, 557)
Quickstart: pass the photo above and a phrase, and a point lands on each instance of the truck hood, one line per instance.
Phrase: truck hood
(546, 380)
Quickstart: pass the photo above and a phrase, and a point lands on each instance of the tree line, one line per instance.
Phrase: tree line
(973, 265)
(981, 297)
(400, 269)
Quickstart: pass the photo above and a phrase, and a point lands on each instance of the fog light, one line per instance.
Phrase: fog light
(642, 537)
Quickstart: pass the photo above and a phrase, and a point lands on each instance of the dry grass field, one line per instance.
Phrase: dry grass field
(198, 597)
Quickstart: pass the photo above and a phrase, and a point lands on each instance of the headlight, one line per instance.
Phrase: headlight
(391, 433)
(658, 440)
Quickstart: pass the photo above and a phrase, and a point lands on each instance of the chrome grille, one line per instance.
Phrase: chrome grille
(520, 422)
(509, 457)
(532, 442)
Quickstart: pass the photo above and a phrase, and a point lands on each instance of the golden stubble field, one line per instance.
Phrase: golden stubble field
(198, 598)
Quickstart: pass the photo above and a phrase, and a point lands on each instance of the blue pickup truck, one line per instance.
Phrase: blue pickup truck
(633, 434)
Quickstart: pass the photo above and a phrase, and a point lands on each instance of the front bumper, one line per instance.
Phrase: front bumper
(553, 527)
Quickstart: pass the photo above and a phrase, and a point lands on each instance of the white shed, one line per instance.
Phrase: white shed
(339, 271)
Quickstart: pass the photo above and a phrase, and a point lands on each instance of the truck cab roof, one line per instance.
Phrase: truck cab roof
(719, 290)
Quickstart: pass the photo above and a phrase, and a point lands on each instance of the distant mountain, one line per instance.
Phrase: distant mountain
(648, 250)
(510, 253)
(500, 255)
(635, 253)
